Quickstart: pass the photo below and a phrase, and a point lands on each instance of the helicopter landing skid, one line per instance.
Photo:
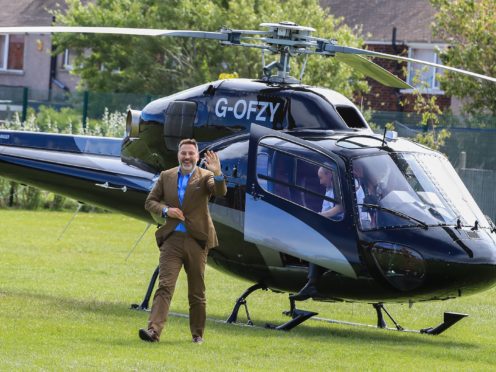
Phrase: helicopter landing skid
(449, 320)
(298, 316)
(242, 301)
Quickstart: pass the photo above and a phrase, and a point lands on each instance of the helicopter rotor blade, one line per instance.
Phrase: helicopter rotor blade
(281, 38)
(223, 36)
(372, 70)
(357, 51)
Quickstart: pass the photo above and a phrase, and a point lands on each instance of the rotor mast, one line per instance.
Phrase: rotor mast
(286, 39)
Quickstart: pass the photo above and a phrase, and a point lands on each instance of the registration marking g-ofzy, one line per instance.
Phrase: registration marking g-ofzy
(243, 109)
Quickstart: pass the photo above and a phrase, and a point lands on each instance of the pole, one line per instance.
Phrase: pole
(25, 92)
(86, 96)
(463, 160)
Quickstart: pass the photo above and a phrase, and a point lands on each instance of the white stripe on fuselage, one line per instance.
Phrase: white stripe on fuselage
(270, 227)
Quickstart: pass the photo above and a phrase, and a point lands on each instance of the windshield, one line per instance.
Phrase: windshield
(411, 189)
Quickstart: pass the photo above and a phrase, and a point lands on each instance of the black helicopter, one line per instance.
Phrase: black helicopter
(408, 229)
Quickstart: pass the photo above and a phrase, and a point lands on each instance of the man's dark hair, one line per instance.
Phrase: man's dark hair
(188, 141)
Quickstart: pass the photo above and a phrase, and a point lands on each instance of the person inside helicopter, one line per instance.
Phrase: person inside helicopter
(332, 210)
(365, 193)
(392, 191)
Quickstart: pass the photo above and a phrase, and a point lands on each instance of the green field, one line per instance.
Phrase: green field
(64, 305)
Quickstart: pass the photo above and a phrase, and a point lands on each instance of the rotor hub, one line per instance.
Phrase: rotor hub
(282, 32)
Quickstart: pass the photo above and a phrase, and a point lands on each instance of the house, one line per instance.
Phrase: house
(402, 27)
(25, 60)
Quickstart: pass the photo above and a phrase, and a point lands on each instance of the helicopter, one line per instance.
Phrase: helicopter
(417, 235)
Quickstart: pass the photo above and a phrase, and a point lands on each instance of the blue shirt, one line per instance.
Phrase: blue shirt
(182, 183)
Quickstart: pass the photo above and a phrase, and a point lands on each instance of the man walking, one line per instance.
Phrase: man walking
(181, 195)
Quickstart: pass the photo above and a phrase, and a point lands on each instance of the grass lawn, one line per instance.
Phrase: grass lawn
(64, 304)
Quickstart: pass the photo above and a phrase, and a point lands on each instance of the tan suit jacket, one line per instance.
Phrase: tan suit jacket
(198, 222)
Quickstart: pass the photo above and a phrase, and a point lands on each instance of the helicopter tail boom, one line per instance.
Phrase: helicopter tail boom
(88, 169)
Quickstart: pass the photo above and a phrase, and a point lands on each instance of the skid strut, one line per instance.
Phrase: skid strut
(298, 316)
(242, 301)
(148, 295)
(381, 323)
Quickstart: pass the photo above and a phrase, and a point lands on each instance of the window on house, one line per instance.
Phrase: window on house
(103, 67)
(421, 76)
(12, 52)
(69, 59)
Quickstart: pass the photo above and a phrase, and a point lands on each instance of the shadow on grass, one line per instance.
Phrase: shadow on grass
(82, 305)
(347, 334)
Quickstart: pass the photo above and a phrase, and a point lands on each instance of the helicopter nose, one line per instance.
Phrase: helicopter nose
(440, 266)
(470, 266)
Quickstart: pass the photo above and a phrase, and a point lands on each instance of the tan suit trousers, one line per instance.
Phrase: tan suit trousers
(180, 249)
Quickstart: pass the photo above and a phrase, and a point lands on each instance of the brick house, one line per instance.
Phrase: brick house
(401, 27)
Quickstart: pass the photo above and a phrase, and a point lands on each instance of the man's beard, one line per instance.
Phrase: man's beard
(187, 167)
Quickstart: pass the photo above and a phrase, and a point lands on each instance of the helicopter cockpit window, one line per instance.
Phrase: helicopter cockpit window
(310, 111)
(409, 189)
(351, 117)
(309, 183)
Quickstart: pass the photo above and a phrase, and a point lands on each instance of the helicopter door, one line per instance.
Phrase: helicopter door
(291, 185)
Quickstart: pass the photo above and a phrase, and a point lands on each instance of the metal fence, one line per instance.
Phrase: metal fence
(481, 185)
(89, 104)
(475, 136)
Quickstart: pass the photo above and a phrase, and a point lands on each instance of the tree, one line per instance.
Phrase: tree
(163, 65)
(469, 27)
(429, 111)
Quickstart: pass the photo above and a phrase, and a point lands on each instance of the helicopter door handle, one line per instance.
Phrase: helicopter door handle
(106, 185)
(257, 196)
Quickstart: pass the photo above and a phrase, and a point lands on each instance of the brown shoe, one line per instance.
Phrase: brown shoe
(197, 340)
(148, 335)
